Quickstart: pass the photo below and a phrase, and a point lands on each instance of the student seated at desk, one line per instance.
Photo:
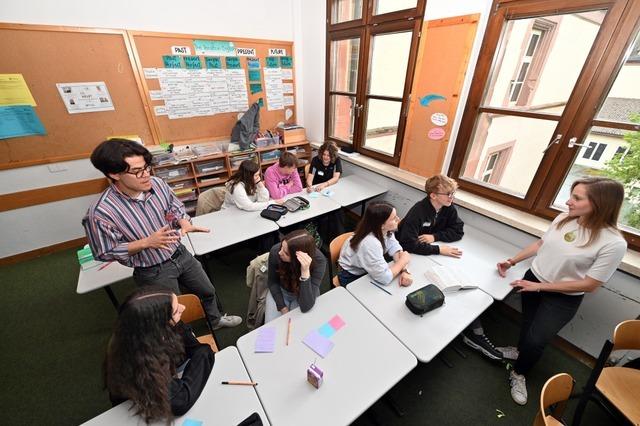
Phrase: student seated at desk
(296, 269)
(432, 219)
(147, 347)
(282, 178)
(363, 253)
(325, 169)
(246, 190)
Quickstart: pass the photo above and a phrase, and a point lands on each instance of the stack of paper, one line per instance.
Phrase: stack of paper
(266, 341)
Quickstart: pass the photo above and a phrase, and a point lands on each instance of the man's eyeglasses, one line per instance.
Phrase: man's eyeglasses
(448, 194)
(139, 172)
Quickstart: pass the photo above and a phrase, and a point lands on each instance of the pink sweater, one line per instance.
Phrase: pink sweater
(277, 183)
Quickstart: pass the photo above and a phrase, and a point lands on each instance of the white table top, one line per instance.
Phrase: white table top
(354, 189)
(364, 364)
(480, 254)
(425, 336)
(104, 275)
(228, 226)
(218, 404)
(319, 205)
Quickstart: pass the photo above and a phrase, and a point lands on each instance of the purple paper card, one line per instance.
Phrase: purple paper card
(337, 322)
(318, 343)
(266, 340)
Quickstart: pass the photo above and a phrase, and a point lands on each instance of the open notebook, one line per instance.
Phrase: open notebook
(448, 280)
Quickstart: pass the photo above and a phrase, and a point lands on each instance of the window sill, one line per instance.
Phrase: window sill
(517, 219)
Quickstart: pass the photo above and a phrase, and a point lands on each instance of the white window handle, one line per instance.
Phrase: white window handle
(556, 140)
(572, 142)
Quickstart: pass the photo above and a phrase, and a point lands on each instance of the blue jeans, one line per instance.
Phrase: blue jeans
(271, 311)
(346, 277)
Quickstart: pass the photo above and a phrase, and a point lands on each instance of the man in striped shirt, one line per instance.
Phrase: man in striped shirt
(138, 221)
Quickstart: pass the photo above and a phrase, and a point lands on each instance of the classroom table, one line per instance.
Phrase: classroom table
(364, 364)
(318, 205)
(217, 405)
(480, 254)
(352, 190)
(425, 336)
(108, 273)
(228, 226)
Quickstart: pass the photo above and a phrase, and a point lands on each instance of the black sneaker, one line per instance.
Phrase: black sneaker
(481, 342)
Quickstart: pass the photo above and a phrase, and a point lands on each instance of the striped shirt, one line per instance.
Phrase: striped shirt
(116, 219)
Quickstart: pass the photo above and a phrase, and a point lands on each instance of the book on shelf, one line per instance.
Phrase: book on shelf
(447, 279)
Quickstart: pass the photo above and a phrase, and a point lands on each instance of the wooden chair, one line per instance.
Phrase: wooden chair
(617, 387)
(194, 312)
(334, 250)
(211, 200)
(556, 391)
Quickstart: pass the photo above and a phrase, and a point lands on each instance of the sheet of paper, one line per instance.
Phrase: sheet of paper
(255, 88)
(287, 88)
(288, 100)
(237, 84)
(20, 120)
(160, 110)
(273, 86)
(318, 343)
(337, 322)
(14, 91)
(266, 340)
(214, 48)
(85, 97)
(253, 63)
(254, 75)
(150, 73)
(287, 74)
(326, 330)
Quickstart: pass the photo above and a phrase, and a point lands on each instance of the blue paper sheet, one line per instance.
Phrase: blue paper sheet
(20, 120)
(191, 422)
(326, 330)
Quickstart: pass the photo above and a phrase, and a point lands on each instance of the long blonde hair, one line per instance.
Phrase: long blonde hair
(605, 196)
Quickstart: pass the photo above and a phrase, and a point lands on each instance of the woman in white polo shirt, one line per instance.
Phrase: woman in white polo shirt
(579, 252)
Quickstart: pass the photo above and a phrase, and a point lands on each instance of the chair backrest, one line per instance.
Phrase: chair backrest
(557, 389)
(627, 335)
(336, 245)
(307, 167)
(193, 308)
(211, 200)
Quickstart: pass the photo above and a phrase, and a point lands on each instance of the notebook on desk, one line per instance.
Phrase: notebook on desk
(448, 280)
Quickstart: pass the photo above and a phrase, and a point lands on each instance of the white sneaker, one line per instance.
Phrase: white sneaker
(518, 388)
(228, 321)
(509, 352)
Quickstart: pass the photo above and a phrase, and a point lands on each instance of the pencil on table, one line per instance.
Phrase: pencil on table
(289, 332)
(232, 382)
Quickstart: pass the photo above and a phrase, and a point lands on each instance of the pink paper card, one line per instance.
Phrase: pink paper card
(337, 322)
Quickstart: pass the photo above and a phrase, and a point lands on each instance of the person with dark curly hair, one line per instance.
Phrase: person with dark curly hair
(145, 354)
(325, 169)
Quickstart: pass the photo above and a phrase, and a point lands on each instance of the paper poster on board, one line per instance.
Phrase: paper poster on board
(14, 90)
(85, 97)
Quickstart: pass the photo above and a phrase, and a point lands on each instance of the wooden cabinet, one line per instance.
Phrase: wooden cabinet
(188, 179)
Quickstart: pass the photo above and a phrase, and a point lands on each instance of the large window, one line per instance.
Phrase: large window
(371, 49)
(545, 66)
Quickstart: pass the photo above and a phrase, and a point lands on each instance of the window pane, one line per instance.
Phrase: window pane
(386, 6)
(345, 10)
(344, 65)
(389, 63)
(619, 160)
(540, 60)
(382, 125)
(623, 99)
(516, 142)
(341, 119)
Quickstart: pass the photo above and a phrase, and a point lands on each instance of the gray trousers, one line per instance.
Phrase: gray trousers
(182, 270)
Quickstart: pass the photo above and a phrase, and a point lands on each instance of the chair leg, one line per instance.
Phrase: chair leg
(590, 386)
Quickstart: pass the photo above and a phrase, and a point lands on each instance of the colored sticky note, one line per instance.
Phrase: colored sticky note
(192, 62)
(14, 90)
(261, 102)
(172, 61)
(314, 194)
(327, 193)
(327, 331)
(337, 322)
(18, 121)
(191, 422)
(255, 88)
(272, 62)
(213, 62)
(266, 340)
(254, 75)
(286, 62)
(232, 62)
(318, 343)
(253, 63)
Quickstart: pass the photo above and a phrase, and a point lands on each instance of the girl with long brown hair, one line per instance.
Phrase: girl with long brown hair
(246, 189)
(579, 252)
(148, 346)
(296, 269)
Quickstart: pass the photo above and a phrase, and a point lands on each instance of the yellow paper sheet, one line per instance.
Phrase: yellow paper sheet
(14, 91)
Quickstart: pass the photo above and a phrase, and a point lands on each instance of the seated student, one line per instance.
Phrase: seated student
(282, 178)
(296, 269)
(325, 168)
(246, 190)
(433, 219)
(363, 253)
(148, 345)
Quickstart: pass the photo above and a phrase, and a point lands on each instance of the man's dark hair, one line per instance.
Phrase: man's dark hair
(109, 156)
(287, 159)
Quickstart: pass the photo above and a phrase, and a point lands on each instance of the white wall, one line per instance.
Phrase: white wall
(44, 225)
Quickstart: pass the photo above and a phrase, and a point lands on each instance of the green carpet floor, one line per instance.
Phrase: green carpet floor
(53, 343)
